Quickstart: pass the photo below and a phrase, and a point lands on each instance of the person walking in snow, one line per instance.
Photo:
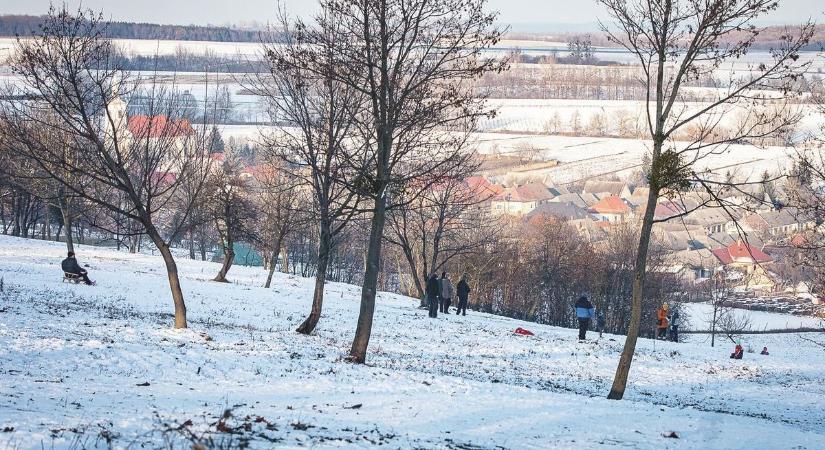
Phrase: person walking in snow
(764, 351)
(584, 312)
(463, 291)
(70, 265)
(662, 325)
(600, 321)
(674, 326)
(433, 294)
(446, 293)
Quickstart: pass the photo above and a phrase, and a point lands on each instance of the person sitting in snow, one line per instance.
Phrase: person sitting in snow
(70, 265)
(764, 351)
(738, 351)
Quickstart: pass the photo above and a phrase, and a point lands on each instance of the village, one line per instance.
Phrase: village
(745, 239)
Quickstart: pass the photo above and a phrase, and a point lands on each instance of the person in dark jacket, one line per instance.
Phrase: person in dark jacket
(433, 294)
(70, 265)
(584, 312)
(463, 291)
(674, 326)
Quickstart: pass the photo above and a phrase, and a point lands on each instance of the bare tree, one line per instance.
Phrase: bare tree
(230, 206)
(303, 90)
(446, 223)
(130, 166)
(675, 42)
(280, 203)
(415, 61)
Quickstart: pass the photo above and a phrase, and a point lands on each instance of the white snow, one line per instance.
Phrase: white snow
(700, 315)
(73, 358)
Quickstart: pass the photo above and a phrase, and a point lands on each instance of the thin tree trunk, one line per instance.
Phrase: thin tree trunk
(46, 232)
(358, 352)
(172, 273)
(67, 223)
(324, 247)
(228, 259)
(191, 245)
(273, 262)
(640, 272)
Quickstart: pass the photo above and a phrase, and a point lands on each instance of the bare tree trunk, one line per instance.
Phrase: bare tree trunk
(324, 247)
(172, 273)
(67, 223)
(45, 233)
(285, 258)
(273, 262)
(358, 352)
(191, 245)
(228, 259)
(640, 271)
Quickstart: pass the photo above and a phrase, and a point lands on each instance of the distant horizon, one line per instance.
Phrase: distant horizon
(520, 15)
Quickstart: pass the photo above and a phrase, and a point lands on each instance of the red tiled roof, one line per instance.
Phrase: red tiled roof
(158, 126)
(611, 205)
(666, 210)
(525, 193)
(481, 187)
(740, 252)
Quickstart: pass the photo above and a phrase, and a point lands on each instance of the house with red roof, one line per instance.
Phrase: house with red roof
(520, 200)
(611, 209)
(749, 262)
(142, 126)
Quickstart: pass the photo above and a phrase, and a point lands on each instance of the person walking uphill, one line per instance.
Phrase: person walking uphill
(584, 312)
(433, 294)
(70, 265)
(463, 291)
(446, 293)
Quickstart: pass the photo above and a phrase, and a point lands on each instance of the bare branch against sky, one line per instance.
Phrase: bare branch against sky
(533, 12)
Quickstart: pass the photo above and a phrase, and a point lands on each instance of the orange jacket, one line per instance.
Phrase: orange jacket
(662, 316)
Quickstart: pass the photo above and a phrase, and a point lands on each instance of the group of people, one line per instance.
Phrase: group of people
(440, 294)
(667, 320)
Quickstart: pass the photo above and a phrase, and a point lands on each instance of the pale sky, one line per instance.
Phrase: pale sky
(237, 11)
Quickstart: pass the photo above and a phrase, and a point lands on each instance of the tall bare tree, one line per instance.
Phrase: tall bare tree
(676, 42)
(317, 110)
(415, 62)
(134, 169)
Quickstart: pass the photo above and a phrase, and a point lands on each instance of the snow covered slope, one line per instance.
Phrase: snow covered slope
(85, 366)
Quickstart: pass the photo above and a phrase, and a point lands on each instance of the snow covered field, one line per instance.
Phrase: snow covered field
(85, 366)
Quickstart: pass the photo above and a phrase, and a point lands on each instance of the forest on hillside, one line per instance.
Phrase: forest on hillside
(26, 25)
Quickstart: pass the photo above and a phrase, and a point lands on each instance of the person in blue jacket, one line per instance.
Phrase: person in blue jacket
(584, 312)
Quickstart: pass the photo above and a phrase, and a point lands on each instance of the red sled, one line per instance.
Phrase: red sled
(523, 332)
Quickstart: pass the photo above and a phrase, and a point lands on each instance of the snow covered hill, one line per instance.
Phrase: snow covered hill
(92, 366)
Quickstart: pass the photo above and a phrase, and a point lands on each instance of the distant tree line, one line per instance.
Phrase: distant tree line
(25, 25)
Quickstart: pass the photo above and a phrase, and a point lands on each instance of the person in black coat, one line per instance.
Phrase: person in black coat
(463, 291)
(70, 265)
(433, 294)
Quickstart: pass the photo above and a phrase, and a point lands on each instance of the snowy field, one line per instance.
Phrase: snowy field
(88, 366)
